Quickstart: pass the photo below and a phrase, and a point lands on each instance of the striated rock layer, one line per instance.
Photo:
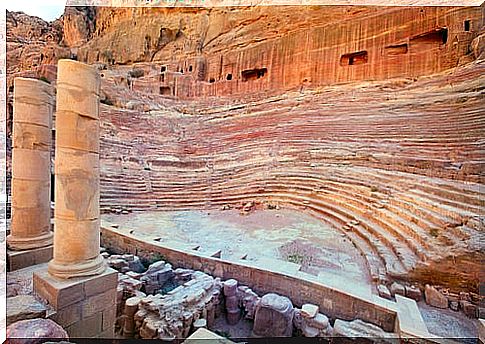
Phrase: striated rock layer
(393, 166)
(208, 108)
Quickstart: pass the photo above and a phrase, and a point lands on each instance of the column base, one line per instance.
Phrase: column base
(85, 307)
(21, 259)
(91, 267)
(16, 243)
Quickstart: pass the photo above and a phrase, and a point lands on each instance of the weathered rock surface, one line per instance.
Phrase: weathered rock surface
(397, 288)
(414, 293)
(311, 323)
(478, 46)
(171, 315)
(273, 317)
(360, 329)
(384, 291)
(434, 298)
(34, 331)
(23, 307)
(248, 301)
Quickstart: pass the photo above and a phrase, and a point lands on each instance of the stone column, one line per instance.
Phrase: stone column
(31, 173)
(77, 226)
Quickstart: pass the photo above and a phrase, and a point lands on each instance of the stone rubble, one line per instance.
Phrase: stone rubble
(172, 315)
(163, 303)
(312, 323)
(124, 263)
(247, 300)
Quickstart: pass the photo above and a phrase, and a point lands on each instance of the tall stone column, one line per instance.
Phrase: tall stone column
(77, 224)
(31, 173)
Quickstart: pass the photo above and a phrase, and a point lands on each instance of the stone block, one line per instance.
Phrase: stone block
(384, 292)
(108, 280)
(414, 293)
(77, 132)
(410, 320)
(109, 318)
(435, 298)
(98, 303)
(308, 310)
(21, 259)
(398, 289)
(274, 317)
(469, 309)
(59, 293)
(24, 159)
(30, 222)
(87, 327)
(481, 330)
(203, 335)
(361, 329)
(23, 307)
(30, 136)
(77, 185)
(67, 315)
(80, 240)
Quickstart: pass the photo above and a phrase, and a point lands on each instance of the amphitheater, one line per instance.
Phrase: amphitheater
(332, 161)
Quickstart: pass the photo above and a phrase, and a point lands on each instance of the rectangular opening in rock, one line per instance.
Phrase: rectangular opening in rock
(466, 25)
(396, 49)
(165, 90)
(253, 74)
(430, 39)
(356, 58)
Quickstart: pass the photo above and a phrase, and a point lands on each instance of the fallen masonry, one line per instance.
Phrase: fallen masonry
(165, 303)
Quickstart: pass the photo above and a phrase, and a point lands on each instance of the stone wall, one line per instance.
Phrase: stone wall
(298, 286)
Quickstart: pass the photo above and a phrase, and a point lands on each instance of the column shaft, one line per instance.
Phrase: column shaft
(31, 154)
(77, 234)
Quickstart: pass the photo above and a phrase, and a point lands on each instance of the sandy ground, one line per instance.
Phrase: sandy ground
(276, 234)
(449, 324)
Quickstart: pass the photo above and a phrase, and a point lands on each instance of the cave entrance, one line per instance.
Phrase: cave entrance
(357, 58)
(165, 90)
(431, 38)
(253, 74)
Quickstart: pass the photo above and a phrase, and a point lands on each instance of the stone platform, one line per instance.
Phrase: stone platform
(21, 259)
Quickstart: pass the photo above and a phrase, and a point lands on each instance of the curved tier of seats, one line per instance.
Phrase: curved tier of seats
(399, 173)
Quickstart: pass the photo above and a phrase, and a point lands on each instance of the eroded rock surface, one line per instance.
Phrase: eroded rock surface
(360, 329)
(34, 331)
(273, 316)
(23, 307)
